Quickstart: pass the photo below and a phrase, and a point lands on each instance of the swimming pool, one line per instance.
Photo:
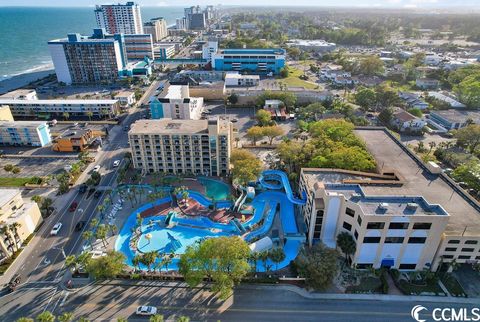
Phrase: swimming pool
(215, 189)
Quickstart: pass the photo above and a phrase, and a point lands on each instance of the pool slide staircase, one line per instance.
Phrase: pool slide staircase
(281, 176)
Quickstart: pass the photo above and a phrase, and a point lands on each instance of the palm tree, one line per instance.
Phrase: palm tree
(66, 317)
(46, 316)
(101, 209)
(237, 140)
(4, 230)
(254, 257)
(156, 318)
(167, 260)
(66, 115)
(276, 255)
(37, 199)
(93, 223)
(347, 244)
(112, 228)
(71, 262)
(149, 258)
(14, 228)
(136, 260)
(101, 233)
(182, 319)
(89, 114)
(47, 206)
(431, 145)
(264, 257)
(87, 235)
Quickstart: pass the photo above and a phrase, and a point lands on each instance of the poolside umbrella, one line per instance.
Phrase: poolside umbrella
(148, 237)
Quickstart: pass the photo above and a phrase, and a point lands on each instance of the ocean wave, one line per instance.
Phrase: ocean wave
(38, 68)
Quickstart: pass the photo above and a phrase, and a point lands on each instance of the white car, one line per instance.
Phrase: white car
(116, 163)
(96, 168)
(56, 229)
(146, 310)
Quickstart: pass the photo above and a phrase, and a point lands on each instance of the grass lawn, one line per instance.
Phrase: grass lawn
(14, 182)
(293, 80)
(368, 284)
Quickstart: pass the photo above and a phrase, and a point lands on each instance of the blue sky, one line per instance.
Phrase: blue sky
(454, 4)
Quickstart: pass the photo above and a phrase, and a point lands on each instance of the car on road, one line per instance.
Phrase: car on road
(82, 188)
(96, 168)
(73, 206)
(56, 229)
(97, 194)
(14, 281)
(79, 226)
(146, 310)
(234, 120)
(116, 163)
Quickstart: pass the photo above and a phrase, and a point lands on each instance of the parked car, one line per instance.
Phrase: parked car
(116, 163)
(234, 120)
(96, 168)
(82, 188)
(97, 194)
(146, 310)
(73, 206)
(14, 281)
(56, 229)
(79, 226)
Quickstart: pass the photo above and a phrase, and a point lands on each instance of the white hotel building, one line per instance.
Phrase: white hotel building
(119, 18)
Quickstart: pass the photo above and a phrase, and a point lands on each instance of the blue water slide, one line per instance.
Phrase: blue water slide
(281, 176)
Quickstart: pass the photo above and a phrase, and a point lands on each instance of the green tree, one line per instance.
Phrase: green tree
(156, 318)
(312, 111)
(101, 233)
(148, 259)
(416, 112)
(122, 320)
(272, 132)
(46, 206)
(254, 134)
(66, 317)
(276, 255)
(264, 118)
(108, 266)
(37, 199)
(318, 265)
(223, 260)
(66, 115)
(347, 244)
(371, 65)
(386, 96)
(45, 316)
(366, 98)
(89, 114)
(232, 99)
(469, 137)
(468, 91)
(386, 116)
(246, 166)
(469, 173)
(182, 319)
(23, 319)
(63, 182)
(284, 72)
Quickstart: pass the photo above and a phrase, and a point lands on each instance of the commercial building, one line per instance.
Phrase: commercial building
(20, 217)
(119, 18)
(403, 217)
(74, 140)
(138, 46)
(316, 46)
(175, 102)
(20, 94)
(197, 21)
(56, 108)
(233, 79)
(181, 24)
(209, 49)
(164, 51)
(157, 27)
(182, 146)
(454, 119)
(29, 133)
(86, 60)
(125, 98)
(258, 61)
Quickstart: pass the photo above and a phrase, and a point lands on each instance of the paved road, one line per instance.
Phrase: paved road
(106, 302)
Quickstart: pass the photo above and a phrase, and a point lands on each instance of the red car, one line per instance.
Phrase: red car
(73, 206)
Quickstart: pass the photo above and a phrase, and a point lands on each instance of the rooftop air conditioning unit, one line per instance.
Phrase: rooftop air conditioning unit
(412, 205)
(383, 206)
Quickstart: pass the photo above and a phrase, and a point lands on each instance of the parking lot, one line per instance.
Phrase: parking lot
(30, 167)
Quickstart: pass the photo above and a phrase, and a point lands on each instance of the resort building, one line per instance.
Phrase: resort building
(5, 113)
(175, 102)
(119, 18)
(73, 141)
(157, 27)
(48, 109)
(209, 49)
(86, 60)
(316, 46)
(404, 216)
(20, 217)
(138, 46)
(182, 146)
(235, 79)
(258, 61)
(20, 94)
(29, 133)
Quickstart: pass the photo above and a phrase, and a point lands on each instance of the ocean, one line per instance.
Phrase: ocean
(24, 32)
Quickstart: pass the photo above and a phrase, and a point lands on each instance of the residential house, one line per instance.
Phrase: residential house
(406, 122)
(413, 100)
(427, 83)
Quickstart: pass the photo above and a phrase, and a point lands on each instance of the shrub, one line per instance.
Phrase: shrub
(8, 167)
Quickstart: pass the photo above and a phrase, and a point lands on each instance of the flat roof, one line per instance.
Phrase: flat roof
(457, 116)
(6, 195)
(21, 123)
(247, 51)
(174, 126)
(53, 102)
(464, 217)
(18, 92)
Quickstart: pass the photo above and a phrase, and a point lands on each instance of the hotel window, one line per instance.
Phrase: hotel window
(359, 220)
(454, 241)
(394, 240)
(468, 250)
(398, 225)
(347, 226)
(350, 212)
(422, 225)
(417, 240)
(371, 240)
(375, 225)
(356, 234)
(407, 266)
(363, 266)
(451, 249)
(471, 242)
(463, 257)
(447, 256)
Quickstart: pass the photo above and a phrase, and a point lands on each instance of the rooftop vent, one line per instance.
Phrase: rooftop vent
(412, 206)
(175, 126)
(383, 206)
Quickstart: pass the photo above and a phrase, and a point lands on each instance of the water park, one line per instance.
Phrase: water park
(262, 214)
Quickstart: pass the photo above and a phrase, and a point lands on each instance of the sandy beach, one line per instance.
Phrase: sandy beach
(23, 79)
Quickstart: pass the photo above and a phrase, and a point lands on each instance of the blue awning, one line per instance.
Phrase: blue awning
(388, 262)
